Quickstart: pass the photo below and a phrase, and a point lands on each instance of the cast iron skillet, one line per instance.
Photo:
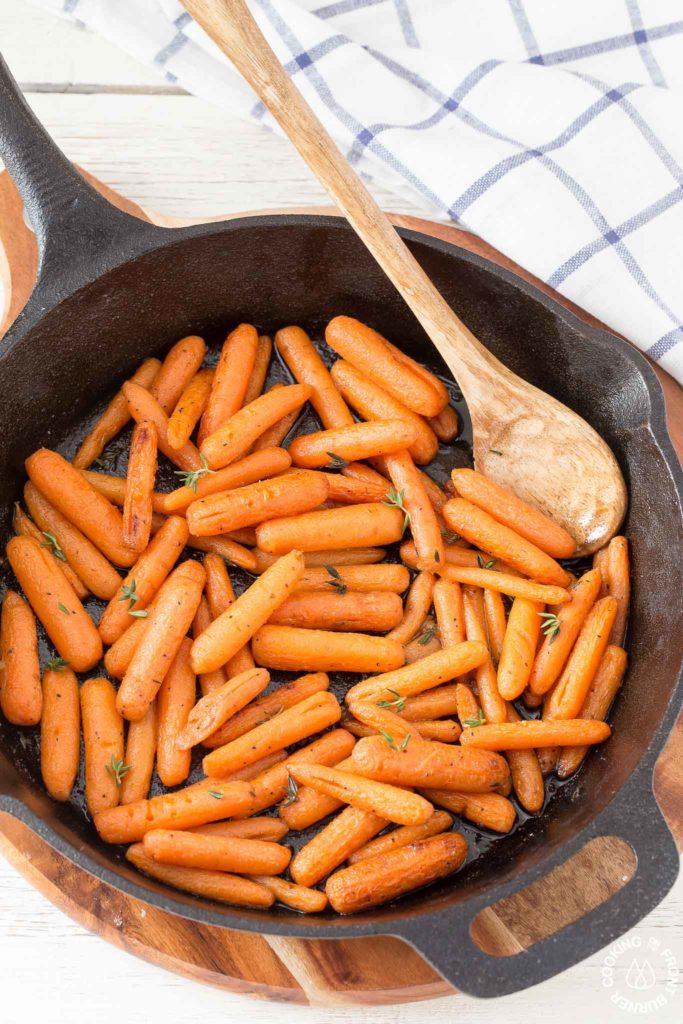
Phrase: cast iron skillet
(112, 290)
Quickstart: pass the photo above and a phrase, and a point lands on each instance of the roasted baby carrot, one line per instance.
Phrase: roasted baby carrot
(567, 697)
(53, 600)
(361, 579)
(510, 510)
(519, 648)
(496, 622)
(341, 611)
(235, 437)
(231, 630)
(168, 622)
(330, 847)
(480, 528)
(428, 763)
(618, 585)
(288, 495)
(488, 810)
(177, 370)
(257, 466)
(21, 695)
(601, 693)
(80, 503)
(445, 730)
(142, 467)
(387, 801)
(446, 425)
(357, 441)
(141, 748)
(525, 772)
(71, 546)
(438, 822)
(426, 642)
(257, 377)
(308, 806)
(513, 586)
(189, 409)
(221, 596)
(424, 526)
(353, 526)
(120, 654)
(113, 488)
(418, 603)
(369, 352)
(208, 681)
(562, 633)
(271, 786)
(431, 704)
(490, 699)
(213, 710)
(317, 650)
(468, 708)
(103, 744)
(304, 719)
(174, 702)
(60, 732)
(568, 732)
(184, 808)
(260, 710)
(144, 579)
(230, 550)
(233, 371)
(214, 885)
(345, 490)
(372, 402)
(144, 406)
(276, 434)
(25, 527)
(437, 668)
(454, 554)
(329, 556)
(388, 875)
(383, 719)
(298, 897)
(306, 366)
(216, 853)
(269, 829)
(114, 417)
(449, 611)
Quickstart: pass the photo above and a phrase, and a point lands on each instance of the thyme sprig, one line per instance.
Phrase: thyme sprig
(551, 625)
(52, 543)
(396, 498)
(399, 701)
(116, 769)
(337, 583)
(189, 478)
(473, 723)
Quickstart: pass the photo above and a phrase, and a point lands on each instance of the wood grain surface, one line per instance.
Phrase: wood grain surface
(349, 972)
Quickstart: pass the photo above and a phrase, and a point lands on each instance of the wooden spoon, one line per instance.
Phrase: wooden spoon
(523, 438)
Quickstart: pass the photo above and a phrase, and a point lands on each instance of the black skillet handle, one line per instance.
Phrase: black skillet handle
(633, 816)
(75, 226)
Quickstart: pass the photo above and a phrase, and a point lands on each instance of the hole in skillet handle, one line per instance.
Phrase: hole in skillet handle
(471, 947)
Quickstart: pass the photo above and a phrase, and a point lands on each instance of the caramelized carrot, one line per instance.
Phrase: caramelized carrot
(361, 579)
(446, 425)
(214, 885)
(60, 732)
(80, 503)
(389, 802)
(525, 773)
(142, 467)
(514, 513)
(216, 853)
(358, 526)
(71, 546)
(488, 810)
(221, 596)
(298, 897)
(340, 611)
(144, 406)
(257, 466)
(114, 417)
(208, 681)
(260, 710)
(566, 699)
(306, 366)
(235, 437)
(24, 527)
(234, 369)
(496, 623)
(317, 650)
(257, 377)
(330, 847)
(422, 675)
(53, 600)
(519, 647)
(388, 875)
(370, 354)
(187, 412)
(438, 822)
(113, 488)
(288, 495)
(276, 434)
(559, 641)
(513, 586)
(568, 732)
(480, 528)
(449, 611)
(174, 702)
(601, 693)
(418, 603)
(424, 526)
(21, 695)
(618, 585)
(357, 441)
(177, 370)
(141, 748)
(329, 556)
(213, 710)
(168, 622)
(491, 701)
(428, 763)
(373, 403)
(103, 742)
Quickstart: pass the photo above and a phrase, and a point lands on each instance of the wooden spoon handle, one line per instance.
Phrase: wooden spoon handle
(231, 26)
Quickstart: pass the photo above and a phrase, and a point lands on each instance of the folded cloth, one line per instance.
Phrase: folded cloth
(553, 130)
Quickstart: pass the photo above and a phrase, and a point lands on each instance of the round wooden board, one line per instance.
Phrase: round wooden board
(352, 971)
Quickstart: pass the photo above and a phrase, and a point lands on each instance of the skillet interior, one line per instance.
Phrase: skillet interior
(274, 271)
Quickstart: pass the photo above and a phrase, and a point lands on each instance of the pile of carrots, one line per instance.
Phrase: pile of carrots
(477, 613)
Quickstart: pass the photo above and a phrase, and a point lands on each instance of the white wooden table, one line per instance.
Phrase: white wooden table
(176, 154)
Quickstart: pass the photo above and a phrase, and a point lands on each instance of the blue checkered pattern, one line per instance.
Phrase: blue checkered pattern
(553, 130)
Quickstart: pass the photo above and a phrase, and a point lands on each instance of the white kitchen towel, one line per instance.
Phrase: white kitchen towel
(553, 130)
